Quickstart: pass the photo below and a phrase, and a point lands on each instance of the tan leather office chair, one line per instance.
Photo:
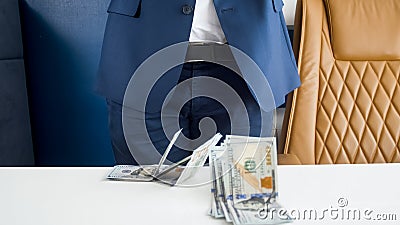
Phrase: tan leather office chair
(347, 109)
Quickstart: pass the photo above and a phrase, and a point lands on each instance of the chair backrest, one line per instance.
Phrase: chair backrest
(62, 42)
(347, 109)
(15, 130)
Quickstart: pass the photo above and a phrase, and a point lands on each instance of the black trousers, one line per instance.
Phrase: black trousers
(200, 117)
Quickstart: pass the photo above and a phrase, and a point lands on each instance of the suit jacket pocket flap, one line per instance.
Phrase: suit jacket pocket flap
(125, 7)
(278, 5)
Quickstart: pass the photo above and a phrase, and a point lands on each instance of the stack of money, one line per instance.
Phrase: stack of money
(243, 174)
(244, 181)
(174, 174)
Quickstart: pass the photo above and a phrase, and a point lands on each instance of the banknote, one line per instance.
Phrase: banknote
(223, 183)
(224, 170)
(251, 217)
(198, 159)
(168, 174)
(216, 191)
(253, 171)
(243, 170)
(145, 173)
(150, 172)
(130, 173)
(213, 208)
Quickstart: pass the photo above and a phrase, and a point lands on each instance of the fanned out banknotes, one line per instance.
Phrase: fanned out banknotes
(169, 174)
(243, 174)
(244, 187)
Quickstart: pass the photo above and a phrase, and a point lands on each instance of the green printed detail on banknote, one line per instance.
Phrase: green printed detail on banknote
(243, 170)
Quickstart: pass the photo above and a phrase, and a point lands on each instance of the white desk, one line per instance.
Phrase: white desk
(74, 196)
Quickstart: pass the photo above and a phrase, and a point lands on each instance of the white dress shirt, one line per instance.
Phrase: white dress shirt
(206, 26)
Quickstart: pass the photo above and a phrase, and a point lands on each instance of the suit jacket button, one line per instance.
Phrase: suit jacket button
(187, 9)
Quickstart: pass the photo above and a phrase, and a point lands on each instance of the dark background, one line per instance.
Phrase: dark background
(49, 113)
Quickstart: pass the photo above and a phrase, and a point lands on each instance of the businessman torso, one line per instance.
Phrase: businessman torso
(136, 29)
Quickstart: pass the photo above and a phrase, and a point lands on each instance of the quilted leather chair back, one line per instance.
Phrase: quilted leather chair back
(347, 109)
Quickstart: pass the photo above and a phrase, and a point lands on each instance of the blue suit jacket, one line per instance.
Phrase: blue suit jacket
(136, 29)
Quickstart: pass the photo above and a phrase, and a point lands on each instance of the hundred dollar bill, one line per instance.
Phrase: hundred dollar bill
(198, 159)
(213, 208)
(224, 170)
(223, 185)
(216, 188)
(145, 173)
(130, 173)
(251, 217)
(253, 171)
(169, 173)
(243, 170)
